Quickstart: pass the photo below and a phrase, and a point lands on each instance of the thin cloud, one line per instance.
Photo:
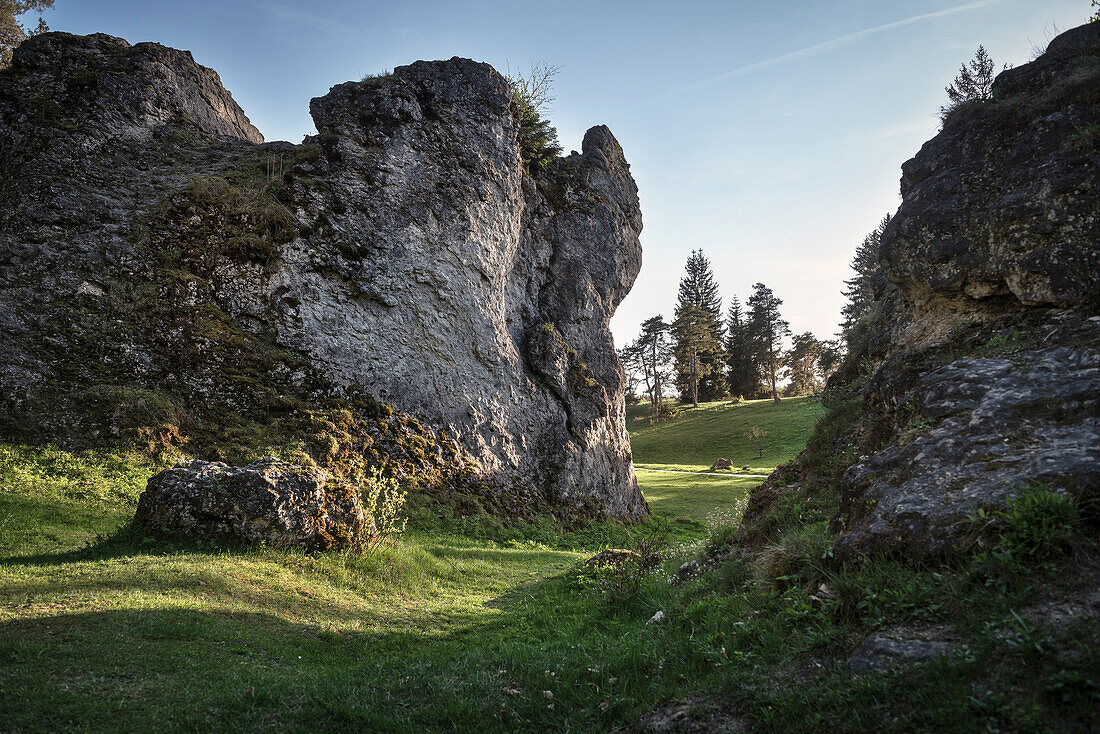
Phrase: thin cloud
(320, 24)
(831, 44)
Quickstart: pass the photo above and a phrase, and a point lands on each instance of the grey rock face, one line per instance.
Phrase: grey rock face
(1000, 208)
(438, 277)
(267, 501)
(134, 87)
(979, 430)
(420, 263)
(996, 241)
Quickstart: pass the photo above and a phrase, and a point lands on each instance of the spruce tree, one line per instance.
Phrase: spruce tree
(973, 83)
(767, 330)
(742, 371)
(861, 289)
(698, 333)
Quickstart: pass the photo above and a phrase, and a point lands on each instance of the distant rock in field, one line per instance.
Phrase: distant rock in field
(268, 501)
(722, 464)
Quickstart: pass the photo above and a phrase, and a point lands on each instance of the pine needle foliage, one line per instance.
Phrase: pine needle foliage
(742, 370)
(974, 83)
(698, 332)
(860, 291)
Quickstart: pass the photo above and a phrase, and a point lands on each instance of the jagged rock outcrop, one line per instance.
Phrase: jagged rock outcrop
(268, 501)
(161, 270)
(1002, 204)
(985, 343)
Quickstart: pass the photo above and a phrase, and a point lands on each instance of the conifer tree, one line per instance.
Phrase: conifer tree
(767, 330)
(974, 82)
(698, 334)
(830, 358)
(742, 371)
(861, 289)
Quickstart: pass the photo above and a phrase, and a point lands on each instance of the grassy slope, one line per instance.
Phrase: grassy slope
(695, 437)
(104, 628)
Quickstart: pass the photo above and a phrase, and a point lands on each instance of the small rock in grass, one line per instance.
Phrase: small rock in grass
(688, 569)
(880, 652)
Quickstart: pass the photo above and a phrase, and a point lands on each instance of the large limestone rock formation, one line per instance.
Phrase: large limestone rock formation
(985, 344)
(154, 254)
(991, 379)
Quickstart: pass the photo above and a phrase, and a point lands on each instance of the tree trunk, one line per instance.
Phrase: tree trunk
(694, 380)
(775, 393)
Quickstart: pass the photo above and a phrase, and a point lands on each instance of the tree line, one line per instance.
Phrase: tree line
(703, 355)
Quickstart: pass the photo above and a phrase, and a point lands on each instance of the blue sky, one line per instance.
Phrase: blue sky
(768, 134)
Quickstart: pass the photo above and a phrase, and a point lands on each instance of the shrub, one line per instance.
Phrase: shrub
(799, 554)
(1035, 527)
(621, 582)
(758, 437)
(383, 502)
(665, 411)
(1039, 524)
(531, 95)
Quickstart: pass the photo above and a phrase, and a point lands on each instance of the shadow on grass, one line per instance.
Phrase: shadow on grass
(128, 540)
(228, 670)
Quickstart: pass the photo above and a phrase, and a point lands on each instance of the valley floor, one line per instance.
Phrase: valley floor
(460, 625)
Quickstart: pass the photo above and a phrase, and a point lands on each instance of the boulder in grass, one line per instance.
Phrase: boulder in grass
(268, 501)
(618, 557)
(722, 464)
(612, 558)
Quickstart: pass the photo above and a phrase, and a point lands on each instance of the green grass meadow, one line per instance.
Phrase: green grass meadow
(101, 628)
(695, 437)
(457, 626)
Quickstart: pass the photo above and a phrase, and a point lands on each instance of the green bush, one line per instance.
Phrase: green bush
(538, 140)
(1039, 524)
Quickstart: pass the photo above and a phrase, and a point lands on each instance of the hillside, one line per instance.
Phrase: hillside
(665, 452)
(695, 437)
